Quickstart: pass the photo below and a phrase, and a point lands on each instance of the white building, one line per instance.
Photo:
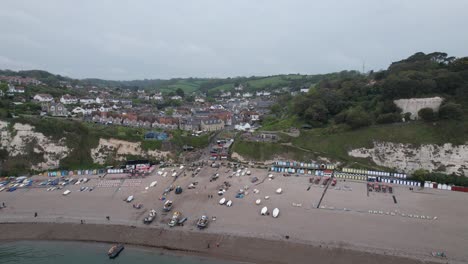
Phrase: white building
(68, 99)
(43, 98)
(157, 97)
(226, 94)
(15, 89)
(247, 95)
(79, 110)
(243, 127)
(304, 90)
(87, 101)
(199, 100)
(176, 97)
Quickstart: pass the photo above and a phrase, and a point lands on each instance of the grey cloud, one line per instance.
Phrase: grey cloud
(216, 38)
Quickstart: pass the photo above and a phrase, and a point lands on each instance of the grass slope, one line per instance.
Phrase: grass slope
(336, 145)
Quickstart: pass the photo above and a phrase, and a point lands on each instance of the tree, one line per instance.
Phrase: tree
(426, 114)
(451, 111)
(3, 87)
(180, 92)
(357, 118)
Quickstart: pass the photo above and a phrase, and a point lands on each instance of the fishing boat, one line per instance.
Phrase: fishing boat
(264, 210)
(258, 201)
(222, 201)
(167, 206)
(115, 250)
(275, 212)
(202, 222)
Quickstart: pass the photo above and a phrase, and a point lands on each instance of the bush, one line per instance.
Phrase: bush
(424, 175)
(451, 111)
(407, 116)
(357, 118)
(388, 118)
(426, 114)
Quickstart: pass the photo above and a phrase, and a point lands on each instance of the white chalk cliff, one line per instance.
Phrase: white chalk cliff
(413, 105)
(446, 158)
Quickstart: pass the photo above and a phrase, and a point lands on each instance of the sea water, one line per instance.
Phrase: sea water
(51, 252)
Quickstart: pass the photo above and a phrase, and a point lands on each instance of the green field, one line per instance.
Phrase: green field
(267, 151)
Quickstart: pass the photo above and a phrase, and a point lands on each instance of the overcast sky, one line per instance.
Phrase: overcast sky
(137, 39)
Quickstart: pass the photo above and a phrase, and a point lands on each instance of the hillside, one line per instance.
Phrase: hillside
(355, 121)
(209, 86)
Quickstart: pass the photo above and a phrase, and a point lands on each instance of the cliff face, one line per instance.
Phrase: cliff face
(119, 149)
(413, 105)
(444, 158)
(23, 149)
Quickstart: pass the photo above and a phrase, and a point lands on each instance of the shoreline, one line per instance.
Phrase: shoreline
(231, 247)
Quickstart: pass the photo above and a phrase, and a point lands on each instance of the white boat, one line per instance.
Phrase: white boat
(153, 184)
(229, 203)
(258, 201)
(174, 174)
(275, 212)
(279, 191)
(67, 192)
(222, 201)
(129, 199)
(267, 197)
(264, 210)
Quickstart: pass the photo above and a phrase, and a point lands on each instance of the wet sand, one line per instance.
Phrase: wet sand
(243, 249)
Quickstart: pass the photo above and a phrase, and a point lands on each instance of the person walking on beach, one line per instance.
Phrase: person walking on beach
(35, 214)
(108, 218)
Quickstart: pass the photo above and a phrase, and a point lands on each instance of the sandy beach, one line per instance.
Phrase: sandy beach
(341, 231)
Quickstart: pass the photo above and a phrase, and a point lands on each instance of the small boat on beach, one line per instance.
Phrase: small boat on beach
(275, 212)
(202, 222)
(222, 201)
(115, 250)
(264, 211)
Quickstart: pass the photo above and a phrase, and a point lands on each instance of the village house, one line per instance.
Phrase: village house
(304, 90)
(247, 95)
(165, 122)
(239, 88)
(190, 124)
(263, 93)
(1, 93)
(43, 98)
(15, 89)
(176, 97)
(87, 101)
(243, 127)
(68, 99)
(249, 116)
(199, 100)
(79, 110)
(225, 94)
(157, 97)
(55, 109)
(20, 80)
(226, 116)
(211, 124)
(99, 100)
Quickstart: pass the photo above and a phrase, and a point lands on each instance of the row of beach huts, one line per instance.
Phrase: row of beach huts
(356, 174)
